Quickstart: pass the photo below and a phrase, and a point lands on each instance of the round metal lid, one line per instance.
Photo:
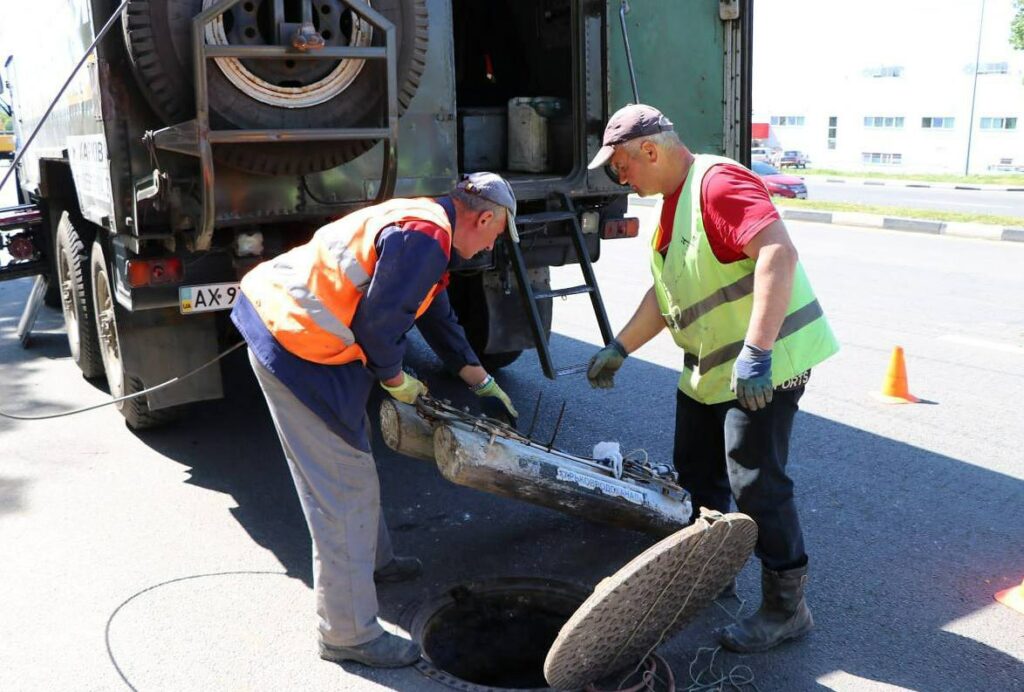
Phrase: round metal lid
(650, 599)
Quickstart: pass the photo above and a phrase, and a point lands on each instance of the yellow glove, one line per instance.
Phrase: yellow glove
(489, 388)
(407, 390)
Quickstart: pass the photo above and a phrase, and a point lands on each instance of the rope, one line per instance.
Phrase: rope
(168, 383)
(648, 678)
(738, 677)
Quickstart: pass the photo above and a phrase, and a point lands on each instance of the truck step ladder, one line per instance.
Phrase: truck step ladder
(23, 244)
(525, 223)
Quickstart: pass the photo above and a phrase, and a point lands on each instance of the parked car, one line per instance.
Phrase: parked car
(779, 184)
(794, 158)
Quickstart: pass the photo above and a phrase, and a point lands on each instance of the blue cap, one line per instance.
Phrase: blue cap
(496, 189)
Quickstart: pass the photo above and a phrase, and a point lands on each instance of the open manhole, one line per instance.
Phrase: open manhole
(527, 634)
(493, 634)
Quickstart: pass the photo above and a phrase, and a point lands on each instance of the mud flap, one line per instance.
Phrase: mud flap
(159, 345)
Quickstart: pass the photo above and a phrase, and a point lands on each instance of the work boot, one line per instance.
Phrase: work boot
(783, 614)
(399, 569)
(386, 651)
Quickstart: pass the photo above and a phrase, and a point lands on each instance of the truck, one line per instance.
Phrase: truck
(197, 138)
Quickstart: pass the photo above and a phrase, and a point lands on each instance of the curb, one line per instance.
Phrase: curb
(913, 183)
(960, 229)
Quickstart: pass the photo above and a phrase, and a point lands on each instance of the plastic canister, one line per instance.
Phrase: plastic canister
(528, 121)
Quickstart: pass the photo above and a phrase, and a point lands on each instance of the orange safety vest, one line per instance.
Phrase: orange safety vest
(308, 296)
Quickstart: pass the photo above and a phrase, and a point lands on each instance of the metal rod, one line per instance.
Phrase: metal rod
(536, 412)
(99, 37)
(360, 52)
(974, 91)
(623, 9)
(558, 426)
(318, 135)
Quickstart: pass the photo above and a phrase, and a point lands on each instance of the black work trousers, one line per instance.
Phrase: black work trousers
(723, 451)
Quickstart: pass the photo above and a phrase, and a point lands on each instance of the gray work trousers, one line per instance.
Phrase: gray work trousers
(340, 496)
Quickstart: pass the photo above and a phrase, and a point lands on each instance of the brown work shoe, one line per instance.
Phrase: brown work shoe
(386, 651)
(399, 569)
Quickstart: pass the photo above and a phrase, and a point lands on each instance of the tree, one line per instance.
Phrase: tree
(1017, 26)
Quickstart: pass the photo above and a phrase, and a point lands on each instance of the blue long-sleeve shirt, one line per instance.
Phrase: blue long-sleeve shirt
(411, 259)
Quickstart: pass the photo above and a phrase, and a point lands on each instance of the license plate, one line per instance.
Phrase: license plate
(208, 297)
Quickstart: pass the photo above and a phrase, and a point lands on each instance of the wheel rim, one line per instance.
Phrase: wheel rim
(288, 83)
(106, 330)
(67, 300)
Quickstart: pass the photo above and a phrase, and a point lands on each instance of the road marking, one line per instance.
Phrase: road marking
(982, 343)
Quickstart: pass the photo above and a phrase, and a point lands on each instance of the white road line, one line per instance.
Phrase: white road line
(982, 343)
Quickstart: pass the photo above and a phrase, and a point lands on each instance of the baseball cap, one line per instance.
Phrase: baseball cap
(629, 122)
(496, 189)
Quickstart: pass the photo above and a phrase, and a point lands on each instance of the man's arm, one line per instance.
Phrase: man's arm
(645, 324)
(775, 260)
(440, 328)
(409, 263)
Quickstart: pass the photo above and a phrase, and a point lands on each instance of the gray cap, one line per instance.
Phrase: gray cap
(629, 122)
(496, 189)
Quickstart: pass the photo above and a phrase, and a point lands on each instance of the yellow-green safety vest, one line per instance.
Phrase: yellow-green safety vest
(707, 304)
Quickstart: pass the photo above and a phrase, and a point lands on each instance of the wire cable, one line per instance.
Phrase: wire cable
(168, 383)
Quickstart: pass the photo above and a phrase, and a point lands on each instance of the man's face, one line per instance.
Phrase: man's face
(635, 170)
(482, 230)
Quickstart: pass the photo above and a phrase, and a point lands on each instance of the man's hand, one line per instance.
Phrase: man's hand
(604, 364)
(489, 388)
(406, 390)
(752, 377)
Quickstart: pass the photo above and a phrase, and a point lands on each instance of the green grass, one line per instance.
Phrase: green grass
(1013, 179)
(904, 212)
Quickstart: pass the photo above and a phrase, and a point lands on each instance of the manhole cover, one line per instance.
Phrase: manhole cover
(650, 599)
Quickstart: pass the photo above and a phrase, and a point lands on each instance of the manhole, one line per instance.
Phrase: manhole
(493, 634)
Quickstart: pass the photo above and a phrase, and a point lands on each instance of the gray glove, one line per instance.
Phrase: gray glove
(752, 377)
(605, 363)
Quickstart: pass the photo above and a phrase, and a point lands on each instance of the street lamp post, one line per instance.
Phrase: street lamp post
(974, 91)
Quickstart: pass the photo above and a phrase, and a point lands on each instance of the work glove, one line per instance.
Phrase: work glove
(752, 377)
(603, 366)
(407, 390)
(488, 390)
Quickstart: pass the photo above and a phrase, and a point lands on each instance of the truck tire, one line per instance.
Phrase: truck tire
(136, 411)
(75, 291)
(158, 37)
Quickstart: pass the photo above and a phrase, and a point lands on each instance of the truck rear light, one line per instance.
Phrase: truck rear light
(248, 244)
(21, 246)
(628, 227)
(590, 221)
(154, 272)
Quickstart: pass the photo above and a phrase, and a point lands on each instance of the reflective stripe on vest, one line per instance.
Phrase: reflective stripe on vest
(308, 296)
(707, 304)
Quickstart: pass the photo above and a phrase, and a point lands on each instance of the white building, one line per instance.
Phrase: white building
(893, 87)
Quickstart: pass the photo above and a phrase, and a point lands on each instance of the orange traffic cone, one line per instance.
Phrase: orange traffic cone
(1013, 597)
(894, 389)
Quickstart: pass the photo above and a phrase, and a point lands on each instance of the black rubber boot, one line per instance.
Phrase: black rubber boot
(783, 614)
(386, 651)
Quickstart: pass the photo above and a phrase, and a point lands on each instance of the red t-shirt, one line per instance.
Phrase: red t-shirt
(736, 206)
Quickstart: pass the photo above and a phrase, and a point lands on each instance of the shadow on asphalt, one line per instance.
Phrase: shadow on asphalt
(903, 541)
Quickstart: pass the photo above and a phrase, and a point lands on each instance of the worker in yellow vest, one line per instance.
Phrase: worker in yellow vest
(731, 290)
(323, 322)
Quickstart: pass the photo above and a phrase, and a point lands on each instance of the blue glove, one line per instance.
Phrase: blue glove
(752, 377)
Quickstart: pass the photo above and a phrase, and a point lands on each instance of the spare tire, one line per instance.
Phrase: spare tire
(284, 94)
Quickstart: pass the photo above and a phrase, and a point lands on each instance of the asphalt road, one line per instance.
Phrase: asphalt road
(178, 559)
(1001, 203)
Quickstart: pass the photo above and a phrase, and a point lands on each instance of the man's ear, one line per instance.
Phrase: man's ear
(485, 218)
(650, 150)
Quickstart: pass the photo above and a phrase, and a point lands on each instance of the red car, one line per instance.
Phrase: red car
(779, 183)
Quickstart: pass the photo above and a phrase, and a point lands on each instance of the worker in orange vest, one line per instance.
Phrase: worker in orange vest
(323, 322)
